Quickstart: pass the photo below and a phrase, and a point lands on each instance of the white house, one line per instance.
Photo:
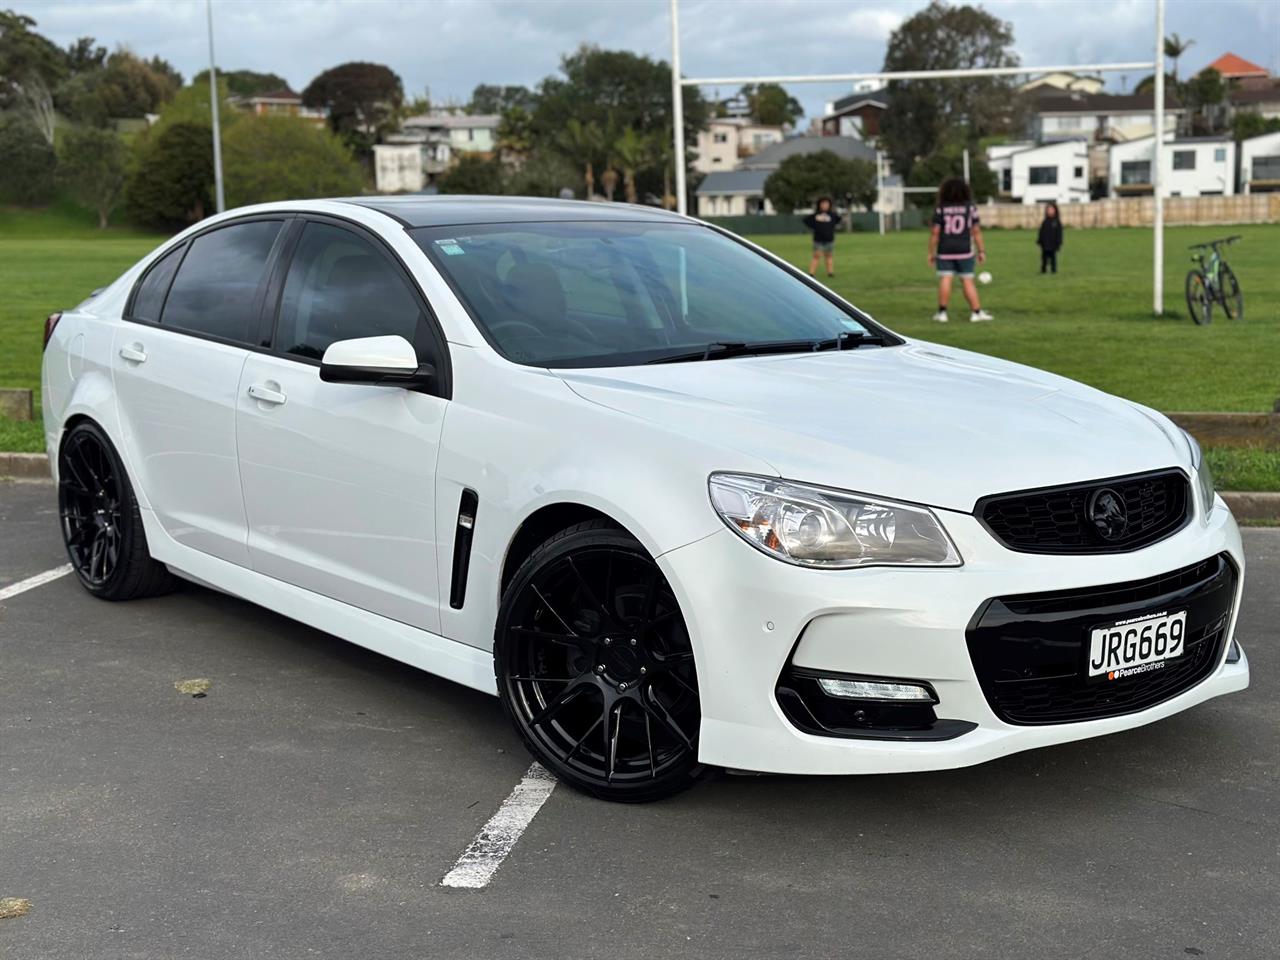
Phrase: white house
(1193, 167)
(1100, 116)
(1260, 163)
(1063, 80)
(730, 139)
(998, 160)
(464, 133)
(1057, 172)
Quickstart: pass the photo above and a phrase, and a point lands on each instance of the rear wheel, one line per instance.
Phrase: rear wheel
(595, 668)
(1229, 294)
(101, 523)
(1199, 303)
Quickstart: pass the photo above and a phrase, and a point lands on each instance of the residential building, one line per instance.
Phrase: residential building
(739, 192)
(727, 140)
(1101, 117)
(1057, 172)
(1061, 80)
(411, 159)
(1239, 71)
(1263, 100)
(464, 133)
(1260, 164)
(1193, 167)
(282, 102)
(856, 115)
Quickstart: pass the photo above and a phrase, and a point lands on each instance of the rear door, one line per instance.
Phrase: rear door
(339, 478)
(176, 365)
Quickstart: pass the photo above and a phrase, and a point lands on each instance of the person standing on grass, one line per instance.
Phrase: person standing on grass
(823, 222)
(956, 247)
(1050, 239)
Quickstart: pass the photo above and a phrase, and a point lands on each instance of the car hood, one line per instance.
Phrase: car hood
(919, 422)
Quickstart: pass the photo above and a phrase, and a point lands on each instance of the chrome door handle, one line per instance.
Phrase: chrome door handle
(264, 394)
(134, 353)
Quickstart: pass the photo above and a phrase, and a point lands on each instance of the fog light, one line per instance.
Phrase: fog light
(1234, 653)
(876, 690)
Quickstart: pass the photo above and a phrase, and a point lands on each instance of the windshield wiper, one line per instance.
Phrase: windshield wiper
(722, 349)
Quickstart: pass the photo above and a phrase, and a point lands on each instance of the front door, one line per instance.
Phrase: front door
(176, 362)
(339, 478)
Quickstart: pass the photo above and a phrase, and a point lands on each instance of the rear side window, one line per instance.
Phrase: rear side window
(150, 296)
(216, 290)
(341, 287)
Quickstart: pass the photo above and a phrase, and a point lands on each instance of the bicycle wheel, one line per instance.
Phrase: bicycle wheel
(1229, 294)
(1199, 303)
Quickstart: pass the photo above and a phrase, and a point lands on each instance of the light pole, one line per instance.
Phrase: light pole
(220, 199)
(677, 109)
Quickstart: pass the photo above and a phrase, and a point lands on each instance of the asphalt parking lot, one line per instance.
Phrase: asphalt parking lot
(311, 802)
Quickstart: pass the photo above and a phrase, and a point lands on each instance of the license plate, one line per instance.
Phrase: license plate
(1137, 646)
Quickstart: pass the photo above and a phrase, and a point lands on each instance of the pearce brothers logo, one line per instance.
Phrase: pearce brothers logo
(1105, 509)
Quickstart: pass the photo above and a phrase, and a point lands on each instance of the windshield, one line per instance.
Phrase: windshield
(592, 294)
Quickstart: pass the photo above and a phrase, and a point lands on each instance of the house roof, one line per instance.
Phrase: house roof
(453, 120)
(1231, 66)
(1255, 95)
(282, 93)
(877, 98)
(733, 181)
(770, 157)
(1104, 103)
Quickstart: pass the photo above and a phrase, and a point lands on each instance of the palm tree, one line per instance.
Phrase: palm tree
(1174, 47)
(582, 143)
(635, 152)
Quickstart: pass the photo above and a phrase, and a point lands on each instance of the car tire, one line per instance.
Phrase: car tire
(595, 669)
(101, 522)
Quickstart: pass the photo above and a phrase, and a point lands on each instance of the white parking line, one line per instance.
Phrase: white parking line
(22, 586)
(484, 855)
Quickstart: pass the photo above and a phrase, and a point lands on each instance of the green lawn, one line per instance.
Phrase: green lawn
(1092, 321)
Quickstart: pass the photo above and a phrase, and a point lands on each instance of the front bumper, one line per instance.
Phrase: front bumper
(750, 616)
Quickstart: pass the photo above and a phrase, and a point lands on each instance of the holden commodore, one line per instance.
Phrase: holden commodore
(677, 505)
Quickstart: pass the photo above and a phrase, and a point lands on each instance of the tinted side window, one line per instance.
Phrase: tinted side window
(216, 288)
(150, 296)
(340, 287)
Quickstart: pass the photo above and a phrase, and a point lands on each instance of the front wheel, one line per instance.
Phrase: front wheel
(1199, 303)
(1229, 294)
(101, 523)
(595, 668)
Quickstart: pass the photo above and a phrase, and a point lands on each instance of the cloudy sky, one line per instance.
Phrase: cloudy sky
(449, 46)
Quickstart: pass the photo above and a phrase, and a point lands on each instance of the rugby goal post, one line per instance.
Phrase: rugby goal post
(1156, 65)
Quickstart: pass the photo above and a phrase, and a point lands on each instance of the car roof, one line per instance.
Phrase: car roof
(457, 210)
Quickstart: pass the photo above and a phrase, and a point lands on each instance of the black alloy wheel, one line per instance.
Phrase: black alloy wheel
(1229, 294)
(595, 667)
(101, 523)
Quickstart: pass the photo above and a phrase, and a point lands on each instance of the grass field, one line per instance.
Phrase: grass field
(1092, 321)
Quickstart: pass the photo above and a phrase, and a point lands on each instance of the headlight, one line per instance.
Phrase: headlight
(1204, 478)
(817, 527)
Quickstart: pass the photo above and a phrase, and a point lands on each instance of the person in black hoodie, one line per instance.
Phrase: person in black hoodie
(1050, 239)
(823, 222)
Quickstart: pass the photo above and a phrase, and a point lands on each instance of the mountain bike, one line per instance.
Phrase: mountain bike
(1213, 281)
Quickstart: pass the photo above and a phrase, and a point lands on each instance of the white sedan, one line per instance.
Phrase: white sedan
(676, 504)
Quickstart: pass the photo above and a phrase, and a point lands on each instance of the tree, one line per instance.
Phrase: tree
(514, 134)
(948, 161)
(27, 162)
(286, 158)
(542, 174)
(84, 56)
(30, 68)
(127, 87)
(171, 183)
(771, 104)
(582, 143)
(244, 83)
(634, 152)
(473, 174)
(1175, 47)
(1246, 124)
(191, 105)
(363, 100)
(489, 98)
(1205, 94)
(802, 178)
(91, 166)
(922, 114)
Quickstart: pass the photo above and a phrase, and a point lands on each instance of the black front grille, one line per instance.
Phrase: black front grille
(1030, 651)
(1056, 520)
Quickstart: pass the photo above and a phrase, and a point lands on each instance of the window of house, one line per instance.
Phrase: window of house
(1077, 173)
(1041, 176)
(1006, 180)
(341, 287)
(720, 138)
(1184, 159)
(216, 290)
(1266, 168)
(1135, 172)
(1220, 155)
